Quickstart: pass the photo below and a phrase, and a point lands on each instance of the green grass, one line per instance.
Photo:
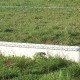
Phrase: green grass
(51, 26)
(39, 68)
(42, 25)
(66, 3)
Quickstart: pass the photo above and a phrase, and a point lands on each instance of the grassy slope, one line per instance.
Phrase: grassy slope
(53, 26)
(21, 68)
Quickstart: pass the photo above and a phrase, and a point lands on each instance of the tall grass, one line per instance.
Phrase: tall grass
(39, 68)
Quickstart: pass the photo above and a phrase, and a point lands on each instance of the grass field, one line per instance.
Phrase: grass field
(40, 25)
(29, 3)
(39, 68)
